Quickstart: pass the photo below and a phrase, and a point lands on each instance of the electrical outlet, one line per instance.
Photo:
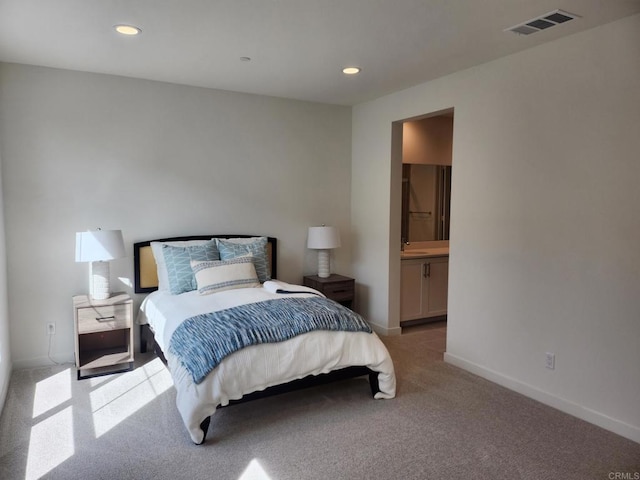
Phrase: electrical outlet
(550, 360)
(51, 328)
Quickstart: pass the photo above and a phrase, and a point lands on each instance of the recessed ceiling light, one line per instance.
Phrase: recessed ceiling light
(127, 29)
(351, 70)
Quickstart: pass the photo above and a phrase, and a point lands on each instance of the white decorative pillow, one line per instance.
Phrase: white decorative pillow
(220, 275)
(156, 249)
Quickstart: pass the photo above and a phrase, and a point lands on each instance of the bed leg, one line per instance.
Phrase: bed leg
(373, 383)
(204, 426)
(143, 339)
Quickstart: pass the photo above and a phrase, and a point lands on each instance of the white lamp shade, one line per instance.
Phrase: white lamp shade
(323, 238)
(99, 245)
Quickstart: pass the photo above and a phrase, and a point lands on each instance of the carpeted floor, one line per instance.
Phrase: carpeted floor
(444, 424)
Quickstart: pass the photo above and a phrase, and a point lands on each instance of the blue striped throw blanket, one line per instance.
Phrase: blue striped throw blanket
(203, 341)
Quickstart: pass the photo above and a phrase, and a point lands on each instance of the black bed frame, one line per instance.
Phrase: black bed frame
(146, 335)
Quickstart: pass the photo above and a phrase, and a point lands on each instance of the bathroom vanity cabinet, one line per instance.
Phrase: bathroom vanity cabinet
(424, 285)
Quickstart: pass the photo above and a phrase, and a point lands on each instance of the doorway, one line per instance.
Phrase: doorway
(422, 150)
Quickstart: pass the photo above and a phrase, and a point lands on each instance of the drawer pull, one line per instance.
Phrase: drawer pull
(340, 291)
(426, 270)
(105, 319)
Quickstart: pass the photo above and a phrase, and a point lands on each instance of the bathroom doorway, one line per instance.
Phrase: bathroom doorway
(423, 146)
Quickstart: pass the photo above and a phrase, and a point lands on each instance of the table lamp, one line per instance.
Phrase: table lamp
(99, 247)
(323, 239)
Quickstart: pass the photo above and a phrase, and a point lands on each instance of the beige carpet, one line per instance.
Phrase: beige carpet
(444, 424)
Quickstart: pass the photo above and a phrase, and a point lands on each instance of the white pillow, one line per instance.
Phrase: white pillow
(156, 249)
(220, 275)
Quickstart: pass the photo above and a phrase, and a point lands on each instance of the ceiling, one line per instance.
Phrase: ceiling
(297, 47)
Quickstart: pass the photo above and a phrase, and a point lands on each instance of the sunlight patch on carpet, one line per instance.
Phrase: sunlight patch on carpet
(52, 392)
(115, 401)
(51, 443)
(254, 471)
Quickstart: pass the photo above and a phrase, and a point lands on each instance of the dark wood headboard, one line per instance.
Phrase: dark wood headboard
(145, 271)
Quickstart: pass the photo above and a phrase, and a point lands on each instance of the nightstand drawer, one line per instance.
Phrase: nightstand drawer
(339, 290)
(335, 287)
(103, 318)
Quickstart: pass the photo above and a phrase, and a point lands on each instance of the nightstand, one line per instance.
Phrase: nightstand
(104, 334)
(336, 287)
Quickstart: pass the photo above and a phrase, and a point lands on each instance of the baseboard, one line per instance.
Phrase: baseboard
(43, 361)
(4, 388)
(623, 429)
(385, 331)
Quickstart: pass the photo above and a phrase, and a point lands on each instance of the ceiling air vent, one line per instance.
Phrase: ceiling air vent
(542, 22)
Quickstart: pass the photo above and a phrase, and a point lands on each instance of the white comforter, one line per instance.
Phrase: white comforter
(260, 366)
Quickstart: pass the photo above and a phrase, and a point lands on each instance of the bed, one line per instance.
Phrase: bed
(271, 345)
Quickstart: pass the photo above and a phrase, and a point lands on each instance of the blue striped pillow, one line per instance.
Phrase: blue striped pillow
(256, 247)
(178, 263)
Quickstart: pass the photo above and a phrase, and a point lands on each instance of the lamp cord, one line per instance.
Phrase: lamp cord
(49, 352)
(51, 359)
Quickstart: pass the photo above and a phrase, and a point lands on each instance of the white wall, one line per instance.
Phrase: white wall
(5, 352)
(545, 219)
(82, 151)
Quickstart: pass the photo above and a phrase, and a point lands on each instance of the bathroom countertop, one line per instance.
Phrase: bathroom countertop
(425, 249)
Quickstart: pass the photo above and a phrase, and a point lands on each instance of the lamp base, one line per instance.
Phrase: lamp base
(99, 281)
(323, 263)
